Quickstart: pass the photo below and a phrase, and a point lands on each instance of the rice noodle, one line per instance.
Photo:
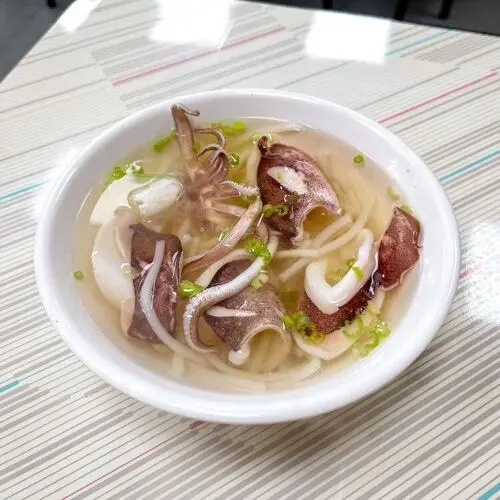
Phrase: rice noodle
(209, 376)
(316, 253)
(277, 356)
(257, 359)
(146, 301)
(178, 365)
(294, 375)
(253, 165)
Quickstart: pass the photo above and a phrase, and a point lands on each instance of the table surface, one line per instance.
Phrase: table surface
(432, 433)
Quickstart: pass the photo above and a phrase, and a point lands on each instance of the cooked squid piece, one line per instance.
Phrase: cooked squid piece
(330, 298)
(399, 250)
(290, 177)
(238, 319)
(166, 249)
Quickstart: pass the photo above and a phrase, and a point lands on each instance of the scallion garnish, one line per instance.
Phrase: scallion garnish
(162, 142)
(279, 210)
(135, 169)
(359, 159)
(233, 159)
(260, 281)
(189, 289)
(77, 275)
(306, 328)
(116, 173)
(257, 248)
(230, 129)
(358, 272)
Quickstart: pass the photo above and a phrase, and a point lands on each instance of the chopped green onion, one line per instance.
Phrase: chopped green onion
(311, 335)
(359, 159)
(358, 272)
(406, 208)
(333, 277)
(306, 328)
(234, 159)
(260, 281)
(360, 349)
(117, 173)
(280, 210)
(135, 169)
(77, 275)
(350, 262)
(257, 248)
(162, 142)
(189, 289)
(392, 193)
(288, 321)
(256, 138)
(374, 340)
(354, 328)
(381, 329)
(223, 234)
(230, 129)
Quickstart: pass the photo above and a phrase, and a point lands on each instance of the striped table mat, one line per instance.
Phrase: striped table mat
(431, 434)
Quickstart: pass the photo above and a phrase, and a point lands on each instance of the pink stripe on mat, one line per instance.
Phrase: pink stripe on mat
(438, 97)
(121, 466)
(161, 67)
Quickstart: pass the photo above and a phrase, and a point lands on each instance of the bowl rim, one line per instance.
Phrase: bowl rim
(229, 407)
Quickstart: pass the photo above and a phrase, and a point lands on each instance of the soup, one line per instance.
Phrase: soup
(245, 255)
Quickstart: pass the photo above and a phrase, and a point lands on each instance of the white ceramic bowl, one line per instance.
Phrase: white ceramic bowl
(432, 284)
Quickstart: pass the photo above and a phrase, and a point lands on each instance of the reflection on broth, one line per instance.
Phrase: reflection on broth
(245, 255)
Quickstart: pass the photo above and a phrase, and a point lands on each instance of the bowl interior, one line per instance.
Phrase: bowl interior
(425, 298)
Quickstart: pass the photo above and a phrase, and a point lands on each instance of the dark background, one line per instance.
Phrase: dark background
(23, 22)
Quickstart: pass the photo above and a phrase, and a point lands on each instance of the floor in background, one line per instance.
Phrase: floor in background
(23, 22)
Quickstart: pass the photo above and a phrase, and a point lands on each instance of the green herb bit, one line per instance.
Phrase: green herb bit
(77, 275)
(234, 159)
(310, 334)
(350, 262)
(135, 169)
(256, 137)
(279, 210)
(306, 328)
(406, 208)
(381, 329)
(373, 340)
(358, 272)
(189, 289)
(393, 193)
(260, 281)
(359, 159)
(230, 129)
(223, 234)
(257, 248)
(333, 277)
(288, 321)
(117, 173)
(360, 349)
(162, 142)
(354, 328)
